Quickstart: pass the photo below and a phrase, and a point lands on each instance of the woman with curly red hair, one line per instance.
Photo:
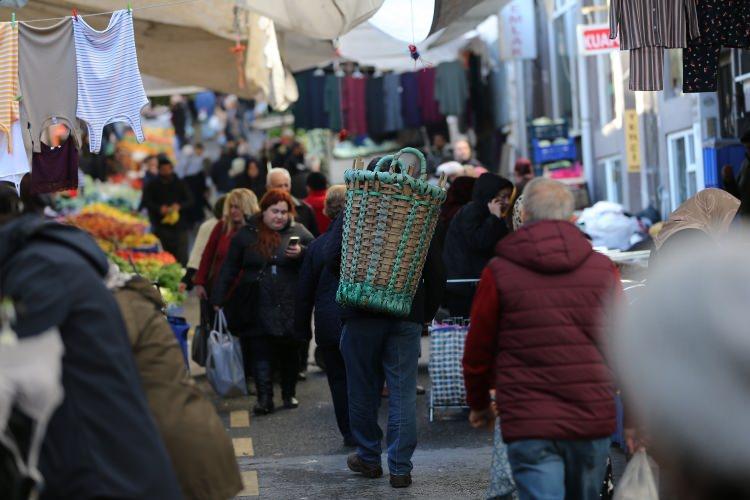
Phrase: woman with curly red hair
(260, 273)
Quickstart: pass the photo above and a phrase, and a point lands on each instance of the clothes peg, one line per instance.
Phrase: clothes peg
(130, 8)
(13, 20)
(75, 14)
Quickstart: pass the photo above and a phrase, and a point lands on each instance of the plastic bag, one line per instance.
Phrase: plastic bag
(199, 347)
(638, 482)
(224, 367)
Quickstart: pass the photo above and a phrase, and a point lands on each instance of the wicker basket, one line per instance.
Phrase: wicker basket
(389, 221)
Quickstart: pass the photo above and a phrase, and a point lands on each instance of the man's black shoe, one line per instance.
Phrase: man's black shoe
(356, 464)
(400, 480)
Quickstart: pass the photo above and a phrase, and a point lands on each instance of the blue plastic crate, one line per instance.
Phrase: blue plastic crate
(548, 132)
(554, 152)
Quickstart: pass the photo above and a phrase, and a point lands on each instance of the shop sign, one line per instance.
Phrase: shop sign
(593, 39)
(632, 141)
(518, 31)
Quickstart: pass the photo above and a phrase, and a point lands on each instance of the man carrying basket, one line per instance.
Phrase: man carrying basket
(391, 284)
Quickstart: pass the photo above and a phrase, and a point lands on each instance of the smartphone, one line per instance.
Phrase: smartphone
(294, 241)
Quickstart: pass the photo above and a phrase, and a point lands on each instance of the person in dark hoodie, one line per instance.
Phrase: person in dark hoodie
(472, 236)
(102, 441)
(317, 290)
(536, 337)
(377, 348)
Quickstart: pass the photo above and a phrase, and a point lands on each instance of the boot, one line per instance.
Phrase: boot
(264, 387)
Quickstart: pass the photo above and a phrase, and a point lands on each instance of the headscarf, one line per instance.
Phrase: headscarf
(710, 211)
(458, 195)
(517, 208)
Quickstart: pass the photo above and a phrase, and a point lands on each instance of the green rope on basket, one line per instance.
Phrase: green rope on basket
(374, 204)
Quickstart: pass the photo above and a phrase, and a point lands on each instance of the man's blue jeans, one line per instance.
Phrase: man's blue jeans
(374, 350)
(559, 470)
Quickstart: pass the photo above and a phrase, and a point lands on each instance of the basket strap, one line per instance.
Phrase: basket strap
(420, 157)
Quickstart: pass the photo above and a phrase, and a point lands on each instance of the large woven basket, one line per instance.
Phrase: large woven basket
(390, 218)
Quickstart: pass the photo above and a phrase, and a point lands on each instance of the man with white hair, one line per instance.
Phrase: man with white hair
(279, 178)
(536, 326)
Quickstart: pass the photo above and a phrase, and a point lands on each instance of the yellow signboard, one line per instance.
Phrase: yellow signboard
(632, 141)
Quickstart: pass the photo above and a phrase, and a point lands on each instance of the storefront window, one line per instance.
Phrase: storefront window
(606, 89)
(683, 166)
(612, 168)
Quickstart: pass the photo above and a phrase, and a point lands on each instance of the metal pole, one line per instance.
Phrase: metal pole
(587, 142)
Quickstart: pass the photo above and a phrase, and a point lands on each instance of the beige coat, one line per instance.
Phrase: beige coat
(201, 452)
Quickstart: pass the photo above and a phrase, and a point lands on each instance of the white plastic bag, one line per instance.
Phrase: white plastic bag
(638, 482)
(224, 367)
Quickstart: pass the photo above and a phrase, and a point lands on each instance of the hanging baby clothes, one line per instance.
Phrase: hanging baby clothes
(48, 78)
(353, 105)
(451, 88)
(109, 83)
(14, 163)
(8, 80)
(332, 101)
(392, 103)
(646, 28)
(723, 23)
(55, 169)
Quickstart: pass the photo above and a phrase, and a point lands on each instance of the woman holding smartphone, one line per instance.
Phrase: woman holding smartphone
(262, 266)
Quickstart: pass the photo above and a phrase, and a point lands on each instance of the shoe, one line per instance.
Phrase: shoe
(302, 376)
(356, 464)
(264, 406)
(420, 390)
(400, 480)
(291, 403)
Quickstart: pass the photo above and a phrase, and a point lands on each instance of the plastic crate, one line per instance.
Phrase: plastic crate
(548, 132)
(554, 152)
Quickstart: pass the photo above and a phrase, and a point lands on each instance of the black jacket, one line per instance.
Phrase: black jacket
(317, 289)
(102, 441)
(474, 232)
(306, 217)
(276, 279)
(158, 193)
(429, 292)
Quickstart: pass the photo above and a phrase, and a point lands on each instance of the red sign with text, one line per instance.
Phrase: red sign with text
(594, 39)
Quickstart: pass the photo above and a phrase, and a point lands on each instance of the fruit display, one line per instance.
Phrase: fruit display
(124, 237)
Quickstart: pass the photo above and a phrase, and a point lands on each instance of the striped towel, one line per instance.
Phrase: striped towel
(8, 79)
(110, 88)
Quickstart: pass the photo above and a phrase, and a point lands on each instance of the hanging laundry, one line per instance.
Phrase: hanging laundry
(55, 169)
(265, 73)
(332, 101)
(14, 163)
(353, 105)
(451, 88)
(301, 109)
(428, 105)
(109, 82)
(723, 23)
(48, 78)
(375, 108)
(646, 28)
(410, 100)
(392, 103)
(316, 101)
(8, 80)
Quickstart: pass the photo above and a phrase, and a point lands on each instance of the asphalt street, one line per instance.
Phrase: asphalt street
(299, 454)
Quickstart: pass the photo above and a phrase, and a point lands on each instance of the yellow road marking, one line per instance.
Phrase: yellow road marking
(239, 419)
(243, 447)
(250, 484)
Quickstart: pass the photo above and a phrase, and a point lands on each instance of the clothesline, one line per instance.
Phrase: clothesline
(145, 7)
